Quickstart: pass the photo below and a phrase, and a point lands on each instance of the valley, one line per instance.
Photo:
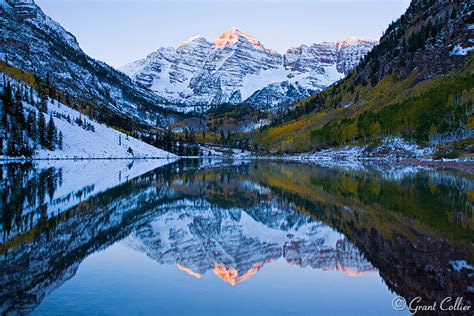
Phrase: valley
(235, 94)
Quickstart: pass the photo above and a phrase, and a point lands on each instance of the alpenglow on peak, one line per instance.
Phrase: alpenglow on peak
(233, 35)
(228, 38)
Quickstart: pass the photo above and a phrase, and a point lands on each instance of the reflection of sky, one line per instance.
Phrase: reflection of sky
(121, 31)
(122, 281)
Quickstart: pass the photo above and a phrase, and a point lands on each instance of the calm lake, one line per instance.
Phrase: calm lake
(205, 237)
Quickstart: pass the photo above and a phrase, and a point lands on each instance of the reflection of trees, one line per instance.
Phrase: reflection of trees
(438, 201)
(406, 226)
(50, 251)
(24, 194)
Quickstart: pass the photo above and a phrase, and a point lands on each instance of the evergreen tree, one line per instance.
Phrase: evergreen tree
(50, 134)
(31, 125)
(168, 140)
(14, 142)
(31, 98)
(79, 121)
(41, 129)
(17, 143)
(48, 82)
(192, 137)
(43, 106)
(222, 137)
(18, 111)
(7, 99)
(60, 140)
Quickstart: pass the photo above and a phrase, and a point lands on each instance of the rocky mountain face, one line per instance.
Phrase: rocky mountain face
(33, 42)
(433, 37)
(344, 55)
(236, 68)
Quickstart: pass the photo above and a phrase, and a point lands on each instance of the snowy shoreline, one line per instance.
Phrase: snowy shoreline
(24, 159)
(293, 158)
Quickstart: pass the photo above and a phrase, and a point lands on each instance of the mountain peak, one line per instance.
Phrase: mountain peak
(233, 35)
(195, 38)
(355, 40)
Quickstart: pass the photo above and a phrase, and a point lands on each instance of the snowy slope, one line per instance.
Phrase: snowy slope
(97, 175)
(236, 68)
(104, 142)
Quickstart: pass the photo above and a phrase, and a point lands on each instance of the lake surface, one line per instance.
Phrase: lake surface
(204, 237)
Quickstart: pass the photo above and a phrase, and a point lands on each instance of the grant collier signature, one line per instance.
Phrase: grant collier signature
(449, 304)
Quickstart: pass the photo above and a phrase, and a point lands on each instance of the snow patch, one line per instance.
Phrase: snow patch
(459, 265)
(458, 50)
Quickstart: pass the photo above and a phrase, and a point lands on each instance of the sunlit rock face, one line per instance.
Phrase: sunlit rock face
(235, 244)
(237, 68)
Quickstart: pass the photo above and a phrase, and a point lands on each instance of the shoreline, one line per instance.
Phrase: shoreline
(458, 164)
(2, 159)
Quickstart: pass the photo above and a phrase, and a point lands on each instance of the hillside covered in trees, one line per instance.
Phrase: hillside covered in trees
(417, 84)
(25, 129)
(41, 121)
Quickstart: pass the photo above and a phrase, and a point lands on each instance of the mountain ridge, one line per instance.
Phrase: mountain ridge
(236, 68)
(39, 45)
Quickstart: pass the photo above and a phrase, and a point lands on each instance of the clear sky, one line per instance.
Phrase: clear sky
(122, 31)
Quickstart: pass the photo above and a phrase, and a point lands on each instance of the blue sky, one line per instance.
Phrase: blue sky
(121, 31)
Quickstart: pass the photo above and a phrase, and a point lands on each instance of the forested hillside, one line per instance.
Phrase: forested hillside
(416, 84)
(40, 121)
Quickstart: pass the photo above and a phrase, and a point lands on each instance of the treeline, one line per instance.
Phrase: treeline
(23, 130)
(445, 109)
(184, 144)
(234, 141)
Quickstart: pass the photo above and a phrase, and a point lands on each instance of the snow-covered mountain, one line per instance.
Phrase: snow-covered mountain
(236, 68)
(33, 42)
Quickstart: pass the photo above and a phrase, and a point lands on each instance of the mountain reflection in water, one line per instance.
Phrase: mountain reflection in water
(236, 243)
(412, 226)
